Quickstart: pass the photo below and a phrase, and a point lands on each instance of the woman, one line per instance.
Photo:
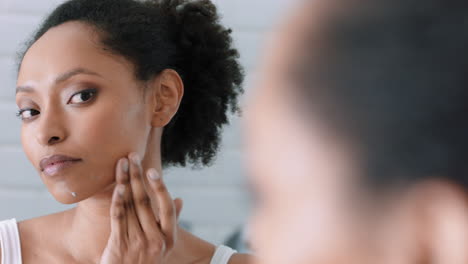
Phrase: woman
(358, 135)
(110, 92)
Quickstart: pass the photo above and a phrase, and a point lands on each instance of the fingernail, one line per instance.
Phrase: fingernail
(125, 165)
(135, 158)
(153, 174)
(121, 190)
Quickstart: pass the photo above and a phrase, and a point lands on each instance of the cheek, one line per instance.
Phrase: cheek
(112, 129)
(28, 142)
(102, 135)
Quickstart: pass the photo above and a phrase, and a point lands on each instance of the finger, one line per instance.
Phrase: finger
(167, 210)
(143, 208)
(121, 172)
(179, 204)
(118, 204)
(135, 233)
(117, 211)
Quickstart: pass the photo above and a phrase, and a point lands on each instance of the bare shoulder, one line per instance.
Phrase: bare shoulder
(38, 226)
(47, 222)
(241, 259)
(34, 226)
(37, 236)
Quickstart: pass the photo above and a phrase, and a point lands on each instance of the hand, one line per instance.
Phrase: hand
(143, 217)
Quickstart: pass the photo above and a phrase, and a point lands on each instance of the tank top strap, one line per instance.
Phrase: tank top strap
(10, 242)
(222, 255)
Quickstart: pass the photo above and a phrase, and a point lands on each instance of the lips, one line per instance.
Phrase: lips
(53, 164)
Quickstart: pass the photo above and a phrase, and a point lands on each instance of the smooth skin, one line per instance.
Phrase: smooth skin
(80, 100)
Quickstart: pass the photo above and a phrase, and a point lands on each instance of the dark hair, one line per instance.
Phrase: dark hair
(170, 34)
(393, 77)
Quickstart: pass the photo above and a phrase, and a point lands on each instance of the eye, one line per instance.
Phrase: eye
(83, 96)
(26, 114)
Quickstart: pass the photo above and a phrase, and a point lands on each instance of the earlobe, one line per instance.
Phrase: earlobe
(168, 92)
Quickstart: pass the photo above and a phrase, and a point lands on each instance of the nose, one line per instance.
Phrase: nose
(50, 130)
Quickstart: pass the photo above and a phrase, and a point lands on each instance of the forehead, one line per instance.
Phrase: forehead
(301, 28)
(287, 43)
(275, 123)
(65, 38)
(61, 48)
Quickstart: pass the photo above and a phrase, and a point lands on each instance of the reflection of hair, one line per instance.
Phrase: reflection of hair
(179, 34)
(393, 77)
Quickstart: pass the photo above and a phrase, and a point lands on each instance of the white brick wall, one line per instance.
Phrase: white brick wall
(215, 198)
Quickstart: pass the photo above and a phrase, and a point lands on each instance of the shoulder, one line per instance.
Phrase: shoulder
(240, 259)
(38, 235)
(41, 227)
(43, 223)
(35, 226)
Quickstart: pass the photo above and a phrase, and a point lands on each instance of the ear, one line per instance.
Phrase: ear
(179, 204)
(168, 90)
(434, 216)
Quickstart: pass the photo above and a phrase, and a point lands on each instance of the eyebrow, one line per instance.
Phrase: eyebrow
(61, 78)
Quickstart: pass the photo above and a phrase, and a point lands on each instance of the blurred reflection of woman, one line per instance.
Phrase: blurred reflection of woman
(357, 135)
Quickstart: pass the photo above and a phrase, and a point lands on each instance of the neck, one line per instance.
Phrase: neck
(89, 222)
(90, 230)
(89, 226)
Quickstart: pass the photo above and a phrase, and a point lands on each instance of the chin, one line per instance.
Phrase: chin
(66, 200)
(66, 197)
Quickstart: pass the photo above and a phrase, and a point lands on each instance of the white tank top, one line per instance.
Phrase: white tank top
(10, 242)
(11, 246)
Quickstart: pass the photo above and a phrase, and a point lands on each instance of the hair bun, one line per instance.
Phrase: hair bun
(208, 65)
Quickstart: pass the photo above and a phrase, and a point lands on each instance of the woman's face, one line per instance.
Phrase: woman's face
(301, 172)
(78, 100)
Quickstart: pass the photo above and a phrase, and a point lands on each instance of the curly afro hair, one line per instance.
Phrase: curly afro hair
(183, 35)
